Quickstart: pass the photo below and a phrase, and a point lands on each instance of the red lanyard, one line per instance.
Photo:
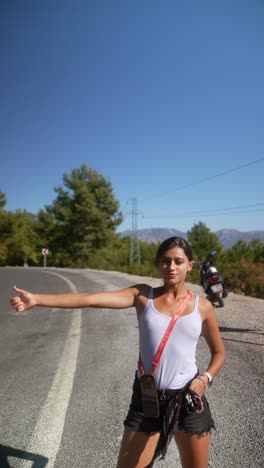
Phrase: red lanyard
(166, 335)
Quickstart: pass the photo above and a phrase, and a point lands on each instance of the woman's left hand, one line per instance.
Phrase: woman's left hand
(198, 386)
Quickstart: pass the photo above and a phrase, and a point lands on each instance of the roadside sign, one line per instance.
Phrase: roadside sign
(45, 252)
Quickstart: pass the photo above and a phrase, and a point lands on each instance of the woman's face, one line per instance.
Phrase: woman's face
(174, 266)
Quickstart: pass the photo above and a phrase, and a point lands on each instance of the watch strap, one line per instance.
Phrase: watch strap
(210, 378)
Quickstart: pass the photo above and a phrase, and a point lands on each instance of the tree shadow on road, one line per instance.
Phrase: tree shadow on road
(251, 331)
(38, 460)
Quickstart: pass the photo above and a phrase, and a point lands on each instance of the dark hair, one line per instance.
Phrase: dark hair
(174, 242)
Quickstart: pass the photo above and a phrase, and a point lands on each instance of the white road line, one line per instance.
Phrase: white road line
(47, 434)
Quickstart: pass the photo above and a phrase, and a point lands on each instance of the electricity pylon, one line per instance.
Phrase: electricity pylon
(134, 242)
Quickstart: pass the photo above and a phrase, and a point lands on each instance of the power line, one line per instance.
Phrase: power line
(206, 179)
(220, 211)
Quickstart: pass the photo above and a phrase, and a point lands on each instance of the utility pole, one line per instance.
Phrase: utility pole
(134, 242)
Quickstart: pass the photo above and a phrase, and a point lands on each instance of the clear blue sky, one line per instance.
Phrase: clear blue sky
(163, 98)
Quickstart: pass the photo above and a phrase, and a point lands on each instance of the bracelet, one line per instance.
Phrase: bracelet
(200, 377)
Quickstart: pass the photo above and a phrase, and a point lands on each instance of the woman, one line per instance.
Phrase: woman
(168, 400)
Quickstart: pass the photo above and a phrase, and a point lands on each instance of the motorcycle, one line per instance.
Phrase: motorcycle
(212, 281)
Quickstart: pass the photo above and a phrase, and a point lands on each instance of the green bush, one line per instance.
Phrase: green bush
(245, 277)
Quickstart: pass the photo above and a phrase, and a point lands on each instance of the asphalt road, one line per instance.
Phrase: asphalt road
(66, 378)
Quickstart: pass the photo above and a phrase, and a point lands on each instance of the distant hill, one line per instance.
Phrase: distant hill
(227, 237)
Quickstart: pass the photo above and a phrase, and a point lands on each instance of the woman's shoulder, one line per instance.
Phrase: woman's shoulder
(205, 307)
(204, 302)
(142, 294)
(142, 289)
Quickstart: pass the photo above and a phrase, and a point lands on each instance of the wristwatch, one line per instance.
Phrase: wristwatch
(210, 378)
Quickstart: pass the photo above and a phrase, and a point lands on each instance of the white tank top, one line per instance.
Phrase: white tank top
(178, 360)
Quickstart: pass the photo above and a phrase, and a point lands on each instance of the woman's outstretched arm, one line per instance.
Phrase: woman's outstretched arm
(120, 299)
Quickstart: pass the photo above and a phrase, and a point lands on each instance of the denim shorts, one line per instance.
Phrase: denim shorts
(194, 423)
